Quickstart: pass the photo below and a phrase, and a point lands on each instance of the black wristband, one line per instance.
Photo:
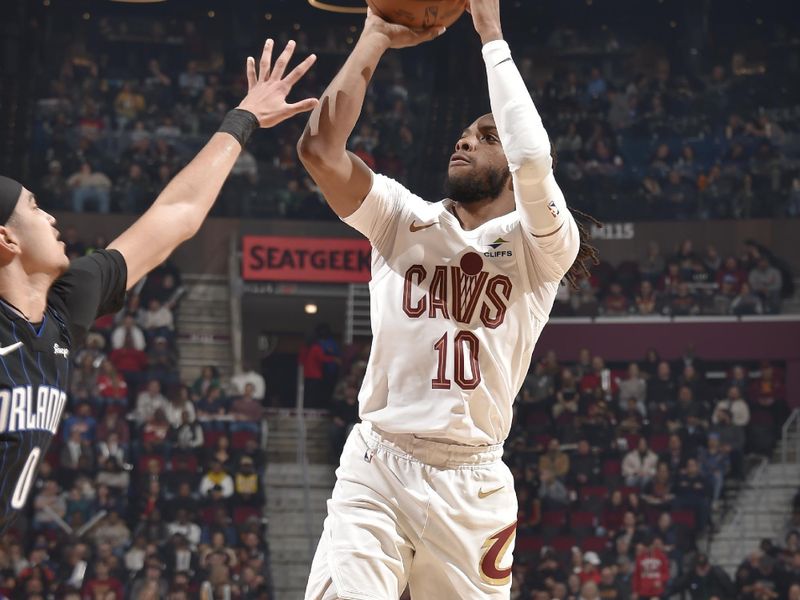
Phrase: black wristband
(240, 124)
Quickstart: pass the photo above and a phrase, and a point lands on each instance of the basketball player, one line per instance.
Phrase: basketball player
(47, 303)
(460, 292)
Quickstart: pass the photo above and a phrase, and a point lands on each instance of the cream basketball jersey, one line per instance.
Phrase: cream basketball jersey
(455, 313)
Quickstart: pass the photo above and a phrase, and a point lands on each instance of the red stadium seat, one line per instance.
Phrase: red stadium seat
(659, 443)
(553, 522)
(142, 464)
(632, 439)
(582, 523)
(542, 440)
(612, 471)
(563, 544)
(239, 439)
(594, 544)
(684, 518)
(210, 436)
(593, 497)
(243, 513)
(186, 463)
(529, 544)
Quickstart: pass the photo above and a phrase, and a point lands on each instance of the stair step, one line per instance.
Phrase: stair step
(291, 474)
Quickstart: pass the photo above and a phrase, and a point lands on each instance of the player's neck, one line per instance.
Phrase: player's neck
(474, 214)
(24, 292)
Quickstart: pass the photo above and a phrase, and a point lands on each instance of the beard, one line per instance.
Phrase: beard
(473, 187)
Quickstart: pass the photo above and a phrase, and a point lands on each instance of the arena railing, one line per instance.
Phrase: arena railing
(792, 426)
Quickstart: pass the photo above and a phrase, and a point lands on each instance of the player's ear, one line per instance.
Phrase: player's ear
(9, 245)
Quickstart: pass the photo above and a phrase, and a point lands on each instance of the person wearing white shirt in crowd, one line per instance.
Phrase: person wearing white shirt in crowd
(736, 405)
(128, 328)
(639, 465)
(157, 317)
(248, 375)
(216, 477)
(182, 525)
(149, 401)
(177, 406)
(633, 386)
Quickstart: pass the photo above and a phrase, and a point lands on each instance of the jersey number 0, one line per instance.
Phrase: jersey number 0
(25, 481)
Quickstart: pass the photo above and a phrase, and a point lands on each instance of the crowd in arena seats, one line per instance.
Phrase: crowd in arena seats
(152, 488)
(110, 136)
(618, 470)
(647, 142)
(688, 282)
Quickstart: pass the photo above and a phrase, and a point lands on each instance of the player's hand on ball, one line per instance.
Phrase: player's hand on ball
(398, 36)
(486, 19)
(267, 88)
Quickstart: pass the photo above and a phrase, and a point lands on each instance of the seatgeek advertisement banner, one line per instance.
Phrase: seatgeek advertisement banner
(326, 260)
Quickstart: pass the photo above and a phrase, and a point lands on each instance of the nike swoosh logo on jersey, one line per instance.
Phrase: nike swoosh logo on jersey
(482, 494)
(9, 349)
(414, 228)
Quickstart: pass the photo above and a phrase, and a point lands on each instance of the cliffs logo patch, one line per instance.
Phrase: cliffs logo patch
(495, 251)
(497, 243)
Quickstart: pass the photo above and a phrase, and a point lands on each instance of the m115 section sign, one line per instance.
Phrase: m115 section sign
(339, 260)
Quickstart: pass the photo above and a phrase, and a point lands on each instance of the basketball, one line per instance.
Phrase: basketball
(419, 14)
(471, 263)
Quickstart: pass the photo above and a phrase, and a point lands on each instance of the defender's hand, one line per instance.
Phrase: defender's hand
(398, 36)
(267, 89)
(486, 19)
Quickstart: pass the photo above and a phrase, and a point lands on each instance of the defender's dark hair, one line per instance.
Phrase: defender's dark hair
(587, 254)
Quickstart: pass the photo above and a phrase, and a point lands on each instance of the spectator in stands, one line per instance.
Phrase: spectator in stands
(209, 378)
(704, 582)
(692, 492)
(112, 530)
(731, 439)
(651, 574)
(658, 491)
(185, 527)
(178, 404)
(584, 466)
(746, 302)
(162, 362)
(661, 390)
(715, 464)
(130, 363)
(149, 401)
(88, 185)
(216, 480)
(157, 320)
(49, 505)
(555, 460)
(128, 329)
(212, 404)
(735, 405)
(249, 375)
(247, 409)
(247, 484)
(111, 387)
(684, 302)
(639, 465)
(767, 281)
(103, 584)
(615, 303)
(189, 434)
(633, 386)
(313, 359)
(552, 493)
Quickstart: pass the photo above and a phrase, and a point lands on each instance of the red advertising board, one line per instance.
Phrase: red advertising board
(273, 258)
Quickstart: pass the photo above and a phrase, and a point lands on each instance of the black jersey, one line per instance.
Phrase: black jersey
(35, 367)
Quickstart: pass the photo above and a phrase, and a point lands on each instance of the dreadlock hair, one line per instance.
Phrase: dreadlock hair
(587, 254)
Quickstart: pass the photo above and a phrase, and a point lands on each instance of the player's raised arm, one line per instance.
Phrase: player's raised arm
(178, 212)
(539, 200)
(343, 177)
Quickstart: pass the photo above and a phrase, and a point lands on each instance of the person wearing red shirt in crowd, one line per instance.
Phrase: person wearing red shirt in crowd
(313, 359)
(130, 362)
(651, 573)
(615, 303)
(732, 273)
(590, 569)
(102, 585)
(111, 387)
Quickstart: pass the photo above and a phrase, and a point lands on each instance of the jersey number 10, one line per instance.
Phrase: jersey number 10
(465, 344)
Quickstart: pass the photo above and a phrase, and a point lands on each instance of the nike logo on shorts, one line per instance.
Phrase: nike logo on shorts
(482, 494)
(414, 228)
(9, 349)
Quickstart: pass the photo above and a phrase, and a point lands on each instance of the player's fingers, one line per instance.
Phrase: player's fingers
(297, 73)
(252, 78)
(302, 106)
(266, 61)
(283, 60)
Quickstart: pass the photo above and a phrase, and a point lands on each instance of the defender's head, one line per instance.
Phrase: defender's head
(27, 233)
